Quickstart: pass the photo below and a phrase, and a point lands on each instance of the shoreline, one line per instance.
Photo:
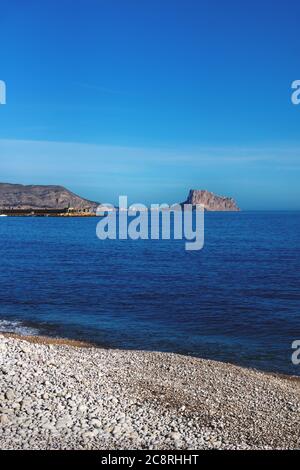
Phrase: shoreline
(65, 394)
(46, 340)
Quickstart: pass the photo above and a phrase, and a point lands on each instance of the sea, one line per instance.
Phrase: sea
(237, 300)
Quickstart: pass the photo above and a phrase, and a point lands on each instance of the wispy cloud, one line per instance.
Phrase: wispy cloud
(106, 170)
(127, 154)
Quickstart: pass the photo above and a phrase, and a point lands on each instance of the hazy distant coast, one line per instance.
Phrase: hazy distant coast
(41, 200)
(49, 200)
(58, 396)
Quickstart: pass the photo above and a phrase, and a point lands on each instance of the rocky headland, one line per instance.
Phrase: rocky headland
(211, 201)
(47, 197)
(18, 197)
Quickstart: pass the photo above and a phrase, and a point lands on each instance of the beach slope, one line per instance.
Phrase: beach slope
(65, 396)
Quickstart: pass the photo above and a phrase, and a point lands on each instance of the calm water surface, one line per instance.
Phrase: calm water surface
(237, 300)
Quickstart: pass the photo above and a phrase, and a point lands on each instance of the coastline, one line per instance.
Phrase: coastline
(46, 340)
(66, 394)
(65, 341)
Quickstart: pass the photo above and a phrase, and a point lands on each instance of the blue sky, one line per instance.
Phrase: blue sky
(152, 98)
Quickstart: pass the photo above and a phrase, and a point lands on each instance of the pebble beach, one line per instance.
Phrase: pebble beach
(58, 394)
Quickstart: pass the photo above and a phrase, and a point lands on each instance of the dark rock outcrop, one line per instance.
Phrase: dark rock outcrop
(211, 201)
(18, 196)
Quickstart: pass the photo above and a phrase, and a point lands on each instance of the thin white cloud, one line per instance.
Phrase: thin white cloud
(101, 172)
(125, 155)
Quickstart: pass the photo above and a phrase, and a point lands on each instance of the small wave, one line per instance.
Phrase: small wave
(9, 326)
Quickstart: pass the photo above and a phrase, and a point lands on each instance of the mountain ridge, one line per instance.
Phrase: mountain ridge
(19, 196)
(211, 201)
(57, 197)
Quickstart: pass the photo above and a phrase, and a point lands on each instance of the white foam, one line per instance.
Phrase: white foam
(9, 326)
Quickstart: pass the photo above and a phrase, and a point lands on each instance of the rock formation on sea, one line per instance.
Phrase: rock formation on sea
(18, 196)
(211, 201)
(42, 197)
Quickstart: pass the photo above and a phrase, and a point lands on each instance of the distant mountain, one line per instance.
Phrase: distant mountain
(211, 201)
(18, 196)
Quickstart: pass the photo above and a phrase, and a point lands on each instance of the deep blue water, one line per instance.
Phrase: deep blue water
(237, 300)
